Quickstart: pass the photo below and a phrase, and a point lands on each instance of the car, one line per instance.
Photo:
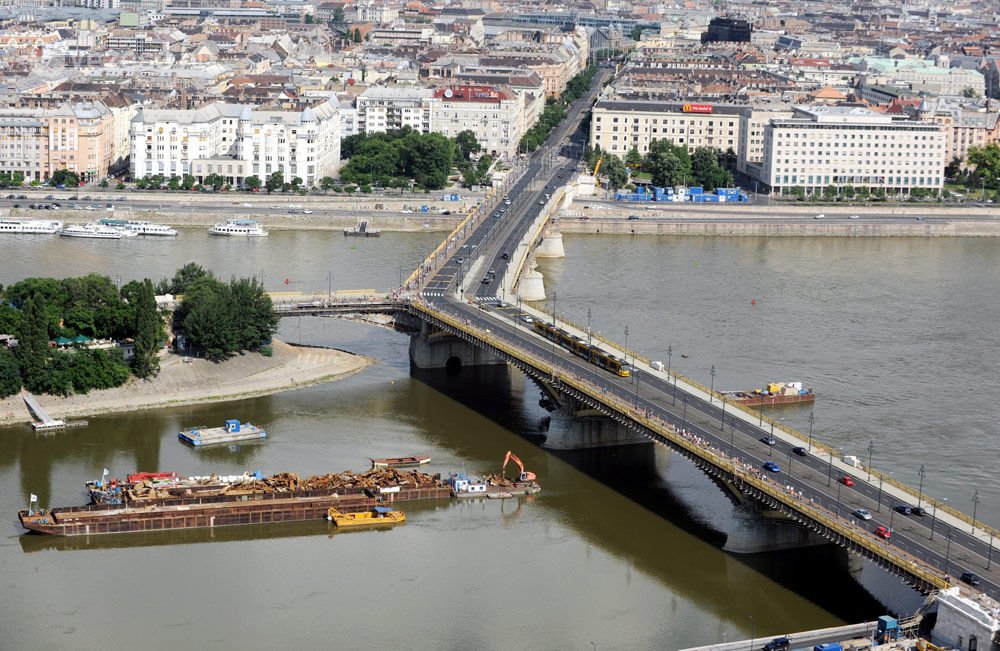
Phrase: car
(87, 198)
(74, 206)
(919, 511)
(920, 219)
(307, 212)
(633, 218)
(10, 196)
(22, 196)
(778, 644)
(406, 211)
(496, 214)
(771, 466)
(855, 217)
(541, 203)
(505, 256)
(121, 199)
(971, 578)
(846, 481)
(492, 272)
(49, 196)
(445, 212)
(769, 440)
(32, 206)
(526, 318)
(819, 216)
(903, 508)
(17, 205)
(89, 208)
(507, 202)
(883, 532)
(862, 514)
(800, 451)
(460, 260)
(485, 281)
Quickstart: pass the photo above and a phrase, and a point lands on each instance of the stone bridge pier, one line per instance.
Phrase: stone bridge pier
(573, 425)
(431, 348)
(753, 528)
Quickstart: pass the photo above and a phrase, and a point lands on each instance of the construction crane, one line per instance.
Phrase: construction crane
(524, 476)
(597, 181)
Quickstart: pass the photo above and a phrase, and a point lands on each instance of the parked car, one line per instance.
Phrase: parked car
(485, 281)
(883, 532)
(769, 440)
(903, 508)
(771, 466)
(862, 514)
(846, 481)
(819, 216)
(633, 218)
(800, 451)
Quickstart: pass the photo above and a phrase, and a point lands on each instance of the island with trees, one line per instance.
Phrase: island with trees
(73, 335)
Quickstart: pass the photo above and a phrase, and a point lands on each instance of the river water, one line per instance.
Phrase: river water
(620, 550)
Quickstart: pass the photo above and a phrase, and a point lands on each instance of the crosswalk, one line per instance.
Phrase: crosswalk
(433, 294)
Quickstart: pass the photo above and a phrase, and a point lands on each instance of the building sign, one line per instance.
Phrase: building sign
(697, 108)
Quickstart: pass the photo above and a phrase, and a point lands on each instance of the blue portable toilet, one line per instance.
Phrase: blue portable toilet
(454, 197)
(887, 630)
(232, 425)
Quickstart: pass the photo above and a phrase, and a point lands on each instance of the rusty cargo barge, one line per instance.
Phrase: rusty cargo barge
(159, 511)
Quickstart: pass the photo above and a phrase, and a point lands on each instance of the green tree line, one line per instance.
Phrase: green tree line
(555, 110)
(393, 158)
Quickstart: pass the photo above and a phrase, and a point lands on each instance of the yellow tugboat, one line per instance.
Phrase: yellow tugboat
(377, 517)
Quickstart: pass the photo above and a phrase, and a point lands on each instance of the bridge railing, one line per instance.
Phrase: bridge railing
(523, 258)
(741, 473)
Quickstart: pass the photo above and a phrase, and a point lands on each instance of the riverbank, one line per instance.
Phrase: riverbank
(200, 381)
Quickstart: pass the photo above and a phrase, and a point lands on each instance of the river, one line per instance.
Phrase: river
(620, 550)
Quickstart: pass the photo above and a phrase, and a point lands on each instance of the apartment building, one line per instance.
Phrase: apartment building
(79, 137)
(387, 108)
(620, 125)
(237, 142)
(921, 76)
(493, 113)
(821, 146)
(964, 126)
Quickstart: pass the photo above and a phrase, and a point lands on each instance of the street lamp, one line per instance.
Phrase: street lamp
(588, 329)
(975, 503)
(947, 553)
(920, 496)
(934, 516)
(626, 343)
(685, 414)
(838, 499)
(829, 469)
(753, 631)
(812, 419)
(670, 352)
(553, 308)
(878, 503)
(871, 450)
(722, 419)
(711, 388)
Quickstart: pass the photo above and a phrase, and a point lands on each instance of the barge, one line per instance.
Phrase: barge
(775, 393)
(400, 462)
(158, 505)
(233, 431)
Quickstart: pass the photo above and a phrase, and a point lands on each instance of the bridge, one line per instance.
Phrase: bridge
(457, 320)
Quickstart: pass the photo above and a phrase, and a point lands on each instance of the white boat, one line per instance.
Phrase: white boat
(238, 228)
(92, 231)
(29, 226)
(129, 227)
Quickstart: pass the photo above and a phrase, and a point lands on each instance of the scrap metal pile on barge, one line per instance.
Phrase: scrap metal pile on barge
(154, 504)
(775, 393)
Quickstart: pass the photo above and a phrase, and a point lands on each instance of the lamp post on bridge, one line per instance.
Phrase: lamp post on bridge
(329, 286)
(626, 343)
(670, 353)
(770, 447)
(871, 450)
(812, 419)
(838, 500)
(947, 554)
(753, 631)
(920, 494)
(878, 502)
(553, 308)
(934, 516)
(829, 468)
(711, 388)
(589, 340)
(685, 414)
(722, 419)
(975, 503)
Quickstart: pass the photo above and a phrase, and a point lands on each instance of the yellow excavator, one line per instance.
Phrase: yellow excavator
(524, 476)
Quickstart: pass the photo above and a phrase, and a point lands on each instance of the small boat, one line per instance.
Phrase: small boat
(503, 495)
(775, 393)
(400, 462)
(376, 517)
(238, 228)
(233, 431)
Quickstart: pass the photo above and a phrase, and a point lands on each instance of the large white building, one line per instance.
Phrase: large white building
(388, 108)
(620, 125)
(237, 142)
(820, 146)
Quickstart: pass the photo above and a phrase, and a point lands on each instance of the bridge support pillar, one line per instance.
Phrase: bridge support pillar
(753, 530)
(434, 350)
(551, 245)
(575, 426)
(531, 286)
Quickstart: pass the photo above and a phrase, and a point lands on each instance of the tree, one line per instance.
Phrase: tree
(310, 19)
(148, 332)
(275, 181)
(327, 183)
(357, 35)
(103, 184)
(467, 144)
(616, 171)
(10, 374)
(215, 181)
(182, 280)
(633, 159)
(66, 178)
(830, 192)
(33, 341)
(338, 15)
(252, 183)
(296, 182)
(188, 182)
(174, 183)
(969, 92)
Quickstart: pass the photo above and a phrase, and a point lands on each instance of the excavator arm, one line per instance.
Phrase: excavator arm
(524, 476)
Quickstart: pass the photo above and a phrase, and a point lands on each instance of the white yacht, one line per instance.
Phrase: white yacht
(92, 231)
(129, 227)
(238, 228)
(29, 226)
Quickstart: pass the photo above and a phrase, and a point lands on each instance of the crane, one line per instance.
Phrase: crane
(524, 476)
(597, 168)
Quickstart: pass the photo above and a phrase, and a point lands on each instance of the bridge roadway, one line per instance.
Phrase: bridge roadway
(722, 438)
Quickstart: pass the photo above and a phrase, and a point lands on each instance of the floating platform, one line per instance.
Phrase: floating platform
(234, 431)
(380, 516)
(53, 425)
(400, 462)
(362, 230)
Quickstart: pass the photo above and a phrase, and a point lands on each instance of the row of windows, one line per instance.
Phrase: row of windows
(678, 121)
(872, 180)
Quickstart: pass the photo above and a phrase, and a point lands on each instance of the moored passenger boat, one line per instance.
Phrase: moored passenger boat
(139, 227)
(30, 226)
(238, 228)
(92, 231)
